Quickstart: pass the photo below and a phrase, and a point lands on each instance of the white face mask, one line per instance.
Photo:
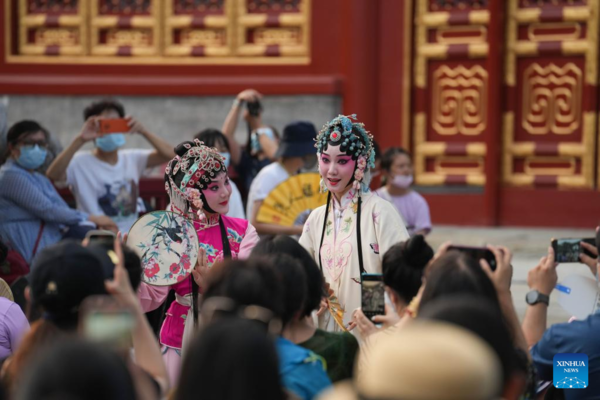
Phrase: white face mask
(402, 181)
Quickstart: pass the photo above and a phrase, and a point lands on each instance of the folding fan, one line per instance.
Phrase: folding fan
(336, 311)
(291, 201)
(5, 290)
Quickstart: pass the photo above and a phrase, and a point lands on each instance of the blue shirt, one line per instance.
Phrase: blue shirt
(26, 199)
(302, 371)
(575, 337)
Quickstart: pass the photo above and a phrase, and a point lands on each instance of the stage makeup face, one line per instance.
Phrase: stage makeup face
(217, 194)
(336, 169)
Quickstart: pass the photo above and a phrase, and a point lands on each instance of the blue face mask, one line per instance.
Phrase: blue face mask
(110, 142)
(32, 157)
(227, 158)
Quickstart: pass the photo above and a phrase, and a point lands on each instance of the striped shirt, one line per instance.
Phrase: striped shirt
(26, 199)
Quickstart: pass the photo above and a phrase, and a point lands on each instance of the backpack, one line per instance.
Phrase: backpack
(12, 263)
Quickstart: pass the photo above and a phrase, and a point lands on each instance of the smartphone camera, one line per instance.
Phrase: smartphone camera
(568, 250)
(254, 108)
(373, 295)
(104, 239)
(104, 321)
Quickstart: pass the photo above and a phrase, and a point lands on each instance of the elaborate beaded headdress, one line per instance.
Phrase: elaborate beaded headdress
(200, 165)
(353, 140)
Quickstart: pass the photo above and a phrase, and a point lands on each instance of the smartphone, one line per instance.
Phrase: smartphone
(117, 125)
(254, 108)
(103, 320)
(372, 295)
(568, 250)
(478, 253)
(105, 239)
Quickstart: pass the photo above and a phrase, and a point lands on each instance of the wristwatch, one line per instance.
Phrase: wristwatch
(534, 297)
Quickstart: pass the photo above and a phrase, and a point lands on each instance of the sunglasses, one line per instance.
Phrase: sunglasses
(214, 307)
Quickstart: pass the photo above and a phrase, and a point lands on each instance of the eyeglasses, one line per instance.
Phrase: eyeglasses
(224, 305)
(41, 143)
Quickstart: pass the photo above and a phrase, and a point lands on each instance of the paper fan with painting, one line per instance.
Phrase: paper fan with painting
(167, 244)
(291, 202)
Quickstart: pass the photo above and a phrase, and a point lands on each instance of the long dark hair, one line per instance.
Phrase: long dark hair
(211, 137)
(457, 273)
(403, 266)
(281, 244)
(74, 369)
(231, 359)
(177, 177)
(249, 282)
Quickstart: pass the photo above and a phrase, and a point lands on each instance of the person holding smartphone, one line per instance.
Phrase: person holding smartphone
(105, 181)
(403, 267)
(350, 234)
(198, 187)
(63, 278)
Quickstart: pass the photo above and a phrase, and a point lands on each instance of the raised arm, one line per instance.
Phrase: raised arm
(502, 279)
(57, 171)
(542, 278)
(163, 150)
(231, 121)
(268, 144)
(147, 350)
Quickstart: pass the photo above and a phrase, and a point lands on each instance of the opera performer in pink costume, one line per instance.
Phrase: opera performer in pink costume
(198, 186)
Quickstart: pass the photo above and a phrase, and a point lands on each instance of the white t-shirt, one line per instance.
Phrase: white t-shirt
(267, 179)
(104, 189)
(236, 206)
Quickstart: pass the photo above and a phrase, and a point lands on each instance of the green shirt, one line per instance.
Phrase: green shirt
(339, 351)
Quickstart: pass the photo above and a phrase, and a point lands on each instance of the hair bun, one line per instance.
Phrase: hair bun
(183, 148)
(417, 252)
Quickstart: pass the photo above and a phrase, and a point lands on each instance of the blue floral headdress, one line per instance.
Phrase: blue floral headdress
(353, 140)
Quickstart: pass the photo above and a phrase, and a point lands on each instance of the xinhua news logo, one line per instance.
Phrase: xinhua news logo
(570, 371)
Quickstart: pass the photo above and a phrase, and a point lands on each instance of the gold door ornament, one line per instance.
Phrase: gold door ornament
(175, 32)
(552, 99)
(459, 100)
(550, 117)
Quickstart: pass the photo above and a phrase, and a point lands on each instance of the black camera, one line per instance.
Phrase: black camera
(254, 108)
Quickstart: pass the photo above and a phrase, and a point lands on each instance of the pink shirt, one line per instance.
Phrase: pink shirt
(13, 326)
(242, 239)
(413, 207)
